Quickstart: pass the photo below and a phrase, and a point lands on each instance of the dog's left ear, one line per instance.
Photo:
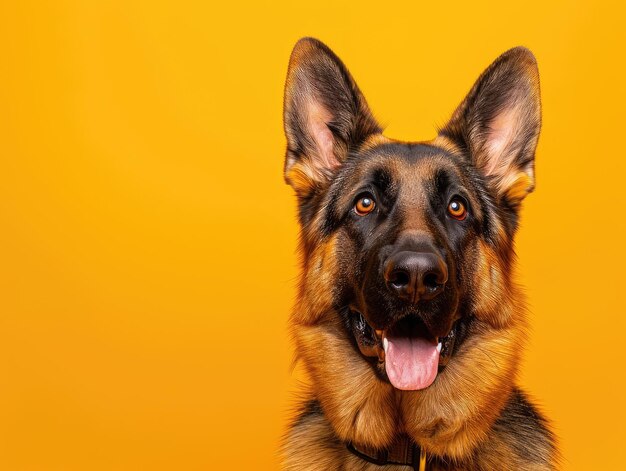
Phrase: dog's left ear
(325, 116)
(498, 123)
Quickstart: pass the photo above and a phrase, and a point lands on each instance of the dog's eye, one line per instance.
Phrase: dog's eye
(364, 205)
(457, 210)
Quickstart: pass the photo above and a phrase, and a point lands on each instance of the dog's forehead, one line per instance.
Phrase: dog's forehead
(407, 166)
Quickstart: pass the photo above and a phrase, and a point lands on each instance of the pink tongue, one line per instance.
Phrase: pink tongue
(411, 362)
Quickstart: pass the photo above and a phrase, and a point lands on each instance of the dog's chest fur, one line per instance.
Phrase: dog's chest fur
(518, 440)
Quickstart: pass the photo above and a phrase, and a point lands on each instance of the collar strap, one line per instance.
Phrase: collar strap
(404, 451)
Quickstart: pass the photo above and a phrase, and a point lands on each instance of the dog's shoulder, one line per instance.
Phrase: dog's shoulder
(310, 442)
(520, 436)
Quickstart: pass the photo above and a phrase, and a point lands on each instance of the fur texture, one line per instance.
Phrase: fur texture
(473, 416)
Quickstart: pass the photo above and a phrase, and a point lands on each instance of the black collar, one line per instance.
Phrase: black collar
(404, 451)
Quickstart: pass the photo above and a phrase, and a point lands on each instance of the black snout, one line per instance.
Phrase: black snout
(414, 276)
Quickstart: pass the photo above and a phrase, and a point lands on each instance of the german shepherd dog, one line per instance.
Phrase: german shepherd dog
(408, 320)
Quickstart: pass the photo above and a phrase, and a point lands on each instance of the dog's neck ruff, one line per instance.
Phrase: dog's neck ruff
(404, 451)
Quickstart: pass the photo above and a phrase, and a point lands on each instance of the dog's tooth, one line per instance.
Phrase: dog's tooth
(439, 347)
(385, 344)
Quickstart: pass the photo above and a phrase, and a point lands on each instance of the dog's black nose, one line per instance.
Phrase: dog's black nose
(414, 276)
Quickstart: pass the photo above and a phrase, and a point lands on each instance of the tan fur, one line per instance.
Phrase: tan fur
(375, 140)
(320, 341)
(458, 419)
(454, 415)
(445, 143)
(516, 186)
(449, 418)
(302, 177)
(312, 447)
(491, 286)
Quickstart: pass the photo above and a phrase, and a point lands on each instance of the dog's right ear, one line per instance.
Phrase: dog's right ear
(325, 116)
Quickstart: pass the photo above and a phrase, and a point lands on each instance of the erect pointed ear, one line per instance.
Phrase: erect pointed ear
(498, 123)
(325, 116)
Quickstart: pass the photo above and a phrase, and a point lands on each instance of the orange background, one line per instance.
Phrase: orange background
(147, 240)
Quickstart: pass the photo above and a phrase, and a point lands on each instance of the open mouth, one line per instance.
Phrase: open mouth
(407, 355)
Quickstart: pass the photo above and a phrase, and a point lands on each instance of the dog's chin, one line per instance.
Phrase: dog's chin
(405, 353)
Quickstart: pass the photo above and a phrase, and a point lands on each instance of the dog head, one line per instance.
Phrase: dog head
(407, 244)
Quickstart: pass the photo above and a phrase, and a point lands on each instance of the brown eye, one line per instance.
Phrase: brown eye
(364, 205)
(457, 209)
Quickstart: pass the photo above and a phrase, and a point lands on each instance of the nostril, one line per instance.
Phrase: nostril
(431, 281)
(399, 278)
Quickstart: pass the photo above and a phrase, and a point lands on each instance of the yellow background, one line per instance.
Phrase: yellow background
(147, 241)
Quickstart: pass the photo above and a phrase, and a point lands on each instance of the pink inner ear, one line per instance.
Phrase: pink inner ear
(502, 131)
(317, 119)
